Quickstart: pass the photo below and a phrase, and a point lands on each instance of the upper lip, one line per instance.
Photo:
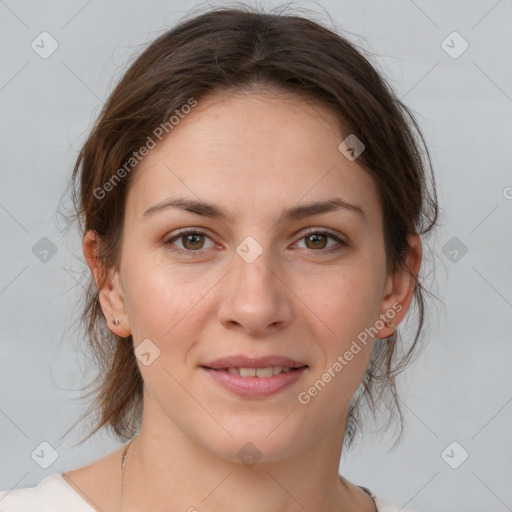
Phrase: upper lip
(240, 361)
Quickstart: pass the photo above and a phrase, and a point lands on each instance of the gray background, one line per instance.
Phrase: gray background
(460, 390)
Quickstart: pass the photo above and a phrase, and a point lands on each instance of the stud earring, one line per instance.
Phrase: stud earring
(116, 321)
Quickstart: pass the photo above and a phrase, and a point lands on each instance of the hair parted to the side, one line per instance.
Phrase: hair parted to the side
(244, 48)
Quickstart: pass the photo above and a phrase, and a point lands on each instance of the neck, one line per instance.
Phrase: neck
(172, 472)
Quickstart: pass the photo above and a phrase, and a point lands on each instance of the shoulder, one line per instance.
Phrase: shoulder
(386, 506)
(51, 494)
(383, 505)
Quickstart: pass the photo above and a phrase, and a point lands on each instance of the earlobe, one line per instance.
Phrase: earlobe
(400, 288)
(110, 292)
(113, 304)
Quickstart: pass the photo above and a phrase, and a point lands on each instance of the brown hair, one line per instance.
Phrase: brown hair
(244, 48)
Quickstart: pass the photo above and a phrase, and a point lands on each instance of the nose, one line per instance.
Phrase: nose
(255, 297)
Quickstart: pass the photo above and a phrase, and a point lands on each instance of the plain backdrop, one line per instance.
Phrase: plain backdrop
(460, 389)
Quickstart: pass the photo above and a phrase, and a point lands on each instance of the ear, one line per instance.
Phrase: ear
(108, 283)
(399, 289)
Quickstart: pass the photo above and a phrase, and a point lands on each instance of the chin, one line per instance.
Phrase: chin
(251, 443)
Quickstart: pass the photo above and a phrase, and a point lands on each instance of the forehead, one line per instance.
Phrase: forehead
(253, 152)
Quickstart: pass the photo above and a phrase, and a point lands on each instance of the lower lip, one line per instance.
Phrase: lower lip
(255, 387)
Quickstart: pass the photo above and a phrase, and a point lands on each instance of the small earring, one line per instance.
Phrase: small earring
(389, 323)
(116, 321)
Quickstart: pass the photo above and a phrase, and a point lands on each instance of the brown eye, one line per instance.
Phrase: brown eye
(193, 241)
(189, 242)
(316, 241)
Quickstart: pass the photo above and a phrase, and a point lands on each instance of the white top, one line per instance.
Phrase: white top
(54, 494)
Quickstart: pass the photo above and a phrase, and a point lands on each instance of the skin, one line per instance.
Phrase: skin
(255, 155)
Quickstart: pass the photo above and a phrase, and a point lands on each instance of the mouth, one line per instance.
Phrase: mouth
(255, 377)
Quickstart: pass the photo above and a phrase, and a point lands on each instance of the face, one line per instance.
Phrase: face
(256, 275)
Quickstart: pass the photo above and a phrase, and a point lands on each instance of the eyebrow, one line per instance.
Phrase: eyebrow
(295, 213)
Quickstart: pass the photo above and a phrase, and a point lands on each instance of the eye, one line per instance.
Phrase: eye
(192, 242)
(316, 241)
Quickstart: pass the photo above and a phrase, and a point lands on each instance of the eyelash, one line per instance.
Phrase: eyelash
(190, 231)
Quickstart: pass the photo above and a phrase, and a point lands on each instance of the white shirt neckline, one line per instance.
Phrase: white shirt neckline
(55, 493)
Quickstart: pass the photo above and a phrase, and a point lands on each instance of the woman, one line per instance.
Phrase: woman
(251, 201)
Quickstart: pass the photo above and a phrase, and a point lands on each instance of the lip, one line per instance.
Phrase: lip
(254, 387)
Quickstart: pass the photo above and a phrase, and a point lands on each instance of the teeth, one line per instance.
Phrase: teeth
(247, 372)
(259, 372)
(264, 372)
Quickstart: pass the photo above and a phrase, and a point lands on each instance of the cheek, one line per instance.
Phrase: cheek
(347, 302)
(162, 300)
(352, 308)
